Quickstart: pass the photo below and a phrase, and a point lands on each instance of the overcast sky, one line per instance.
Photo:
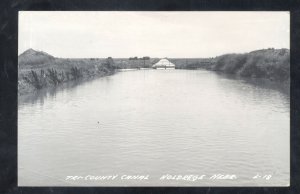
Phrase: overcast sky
(154, 34)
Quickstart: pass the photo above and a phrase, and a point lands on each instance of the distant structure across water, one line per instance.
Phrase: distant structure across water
(164, 64)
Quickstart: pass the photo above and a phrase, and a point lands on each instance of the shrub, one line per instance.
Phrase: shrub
(76, 73)
(37, 81)
(53, 77)
(266, 63)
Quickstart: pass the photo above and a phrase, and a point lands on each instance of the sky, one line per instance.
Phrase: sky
(100, 34)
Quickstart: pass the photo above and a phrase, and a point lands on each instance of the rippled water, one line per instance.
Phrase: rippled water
(156, 122)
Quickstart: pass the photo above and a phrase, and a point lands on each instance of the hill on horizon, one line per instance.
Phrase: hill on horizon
(33, 57)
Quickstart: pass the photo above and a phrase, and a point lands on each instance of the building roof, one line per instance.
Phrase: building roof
(164, 62)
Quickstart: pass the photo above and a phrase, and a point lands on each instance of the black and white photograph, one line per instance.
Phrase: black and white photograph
(154, 98)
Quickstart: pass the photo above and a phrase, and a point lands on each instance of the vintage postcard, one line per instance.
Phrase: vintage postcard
(124, 98)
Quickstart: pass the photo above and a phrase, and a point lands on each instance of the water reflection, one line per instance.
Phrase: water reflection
(38, 96)
(154, 122)
(284, 89)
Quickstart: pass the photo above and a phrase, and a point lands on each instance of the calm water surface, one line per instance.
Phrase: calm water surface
(156, 122)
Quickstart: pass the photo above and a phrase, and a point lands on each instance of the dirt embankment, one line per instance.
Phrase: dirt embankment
(39, 70)
(272, 64)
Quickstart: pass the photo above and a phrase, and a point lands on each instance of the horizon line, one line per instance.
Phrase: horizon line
(139, 57)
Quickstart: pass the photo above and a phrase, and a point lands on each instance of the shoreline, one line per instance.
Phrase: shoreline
(29, 90)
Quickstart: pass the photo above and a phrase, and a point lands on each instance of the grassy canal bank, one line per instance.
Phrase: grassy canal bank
(39, 70)
(271, 64)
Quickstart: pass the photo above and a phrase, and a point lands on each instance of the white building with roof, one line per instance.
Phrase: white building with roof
(164, 64)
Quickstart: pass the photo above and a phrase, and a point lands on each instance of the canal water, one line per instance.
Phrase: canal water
(155, 123)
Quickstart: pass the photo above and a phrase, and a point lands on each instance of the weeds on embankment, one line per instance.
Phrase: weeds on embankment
(51, 77)
(37, 79)
(272, 64)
